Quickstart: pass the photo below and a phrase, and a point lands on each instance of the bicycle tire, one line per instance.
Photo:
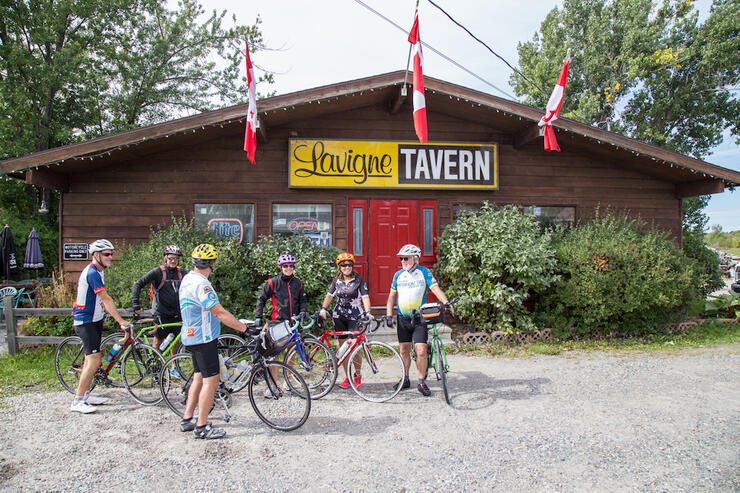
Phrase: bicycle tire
(228, 344)
(68, 360)
(174, 381)
(442, 370)
(140, 369)
(114, 375)
(288, 408)
(319, 373)
(381, 372)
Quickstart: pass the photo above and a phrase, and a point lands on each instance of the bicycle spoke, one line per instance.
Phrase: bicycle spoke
(175, 379)
(280, 405)
(316, 366)
(141, 367)
(381, 370)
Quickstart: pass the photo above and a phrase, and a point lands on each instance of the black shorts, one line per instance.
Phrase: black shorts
(343, 324)
(205, 358)
(90, 333)
(411, 329)
(163, 332)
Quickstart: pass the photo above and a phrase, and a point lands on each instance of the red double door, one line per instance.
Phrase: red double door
(379, 228)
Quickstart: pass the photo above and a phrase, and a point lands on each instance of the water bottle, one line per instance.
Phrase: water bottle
(222, 368)
(345, 347)
(240, 368)
(113, 351)
(166, 342)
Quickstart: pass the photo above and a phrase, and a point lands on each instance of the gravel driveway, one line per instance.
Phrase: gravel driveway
(668, 422)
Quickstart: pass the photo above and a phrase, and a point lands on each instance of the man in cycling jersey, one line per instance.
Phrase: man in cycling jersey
(410, 285)
(285, 291)
(202, 315)
(165, 285)
(87, 313)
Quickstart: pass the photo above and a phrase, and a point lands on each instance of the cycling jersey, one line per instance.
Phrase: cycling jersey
(88, 307)
(287, 296)
(197, 297)
(165, 283)
(412, 289)
(349, 296)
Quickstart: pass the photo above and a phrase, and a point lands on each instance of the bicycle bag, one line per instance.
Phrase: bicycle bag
(432, 313)
(274, 339)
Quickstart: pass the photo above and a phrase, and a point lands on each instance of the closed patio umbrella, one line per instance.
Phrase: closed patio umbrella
(8, 259)
(33, 258)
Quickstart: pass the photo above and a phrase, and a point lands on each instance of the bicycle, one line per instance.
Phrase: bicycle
(432, 314)
(384, 364)
(281, 404)
(317, 364)
(136, 364)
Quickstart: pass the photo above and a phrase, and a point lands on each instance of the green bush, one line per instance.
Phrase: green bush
(240, 271)
(707, 260)
(614, 277)
(497, 258)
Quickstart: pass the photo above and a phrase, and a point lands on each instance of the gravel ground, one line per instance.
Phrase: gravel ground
(582, 422)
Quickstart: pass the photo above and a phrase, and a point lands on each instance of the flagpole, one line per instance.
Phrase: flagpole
(408, 58)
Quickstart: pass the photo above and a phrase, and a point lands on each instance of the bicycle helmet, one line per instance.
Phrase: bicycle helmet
(285, 258)
(204, 256)
(345, 256)
(100, 245)
(173, 250)
(409, 251)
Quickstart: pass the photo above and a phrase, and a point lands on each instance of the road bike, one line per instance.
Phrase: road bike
(313, 360)
(382, 368)
(129, 362)
(431, 314)
(277, 392)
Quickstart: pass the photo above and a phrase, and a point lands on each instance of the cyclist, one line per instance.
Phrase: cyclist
(353, 303)
(164, 284)
(411, 284)
(202, 315)
(87, 313)
(285, 291)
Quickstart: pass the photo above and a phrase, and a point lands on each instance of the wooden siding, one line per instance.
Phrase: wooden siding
(121, 201)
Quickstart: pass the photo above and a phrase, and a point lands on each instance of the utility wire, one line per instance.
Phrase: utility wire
(489, 48)
(427, 46)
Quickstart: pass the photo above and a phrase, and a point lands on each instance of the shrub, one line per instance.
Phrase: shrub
(56, 294)
(614, 277)
(497, 258)
(708, 265)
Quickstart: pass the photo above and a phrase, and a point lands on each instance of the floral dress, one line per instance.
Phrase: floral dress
(349, 297)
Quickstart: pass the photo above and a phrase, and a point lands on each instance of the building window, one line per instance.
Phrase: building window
(312, 220)
(357, 231)
(460, 209)
(428, 232)
(553, 216)
(233, 221)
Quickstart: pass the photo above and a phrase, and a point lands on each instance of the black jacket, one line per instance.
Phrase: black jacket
(166, 290)
(287, 296)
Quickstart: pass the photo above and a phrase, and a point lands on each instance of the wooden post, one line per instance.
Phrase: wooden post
(9, 313)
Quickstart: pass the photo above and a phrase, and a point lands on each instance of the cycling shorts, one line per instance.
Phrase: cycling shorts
(91, 334)
(205, 358)
(411, 329)
(342, 324)
(163, 332)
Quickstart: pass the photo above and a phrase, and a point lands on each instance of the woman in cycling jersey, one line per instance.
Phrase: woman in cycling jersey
(353, 303)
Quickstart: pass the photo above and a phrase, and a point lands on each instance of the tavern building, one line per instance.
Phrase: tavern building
(341, 164)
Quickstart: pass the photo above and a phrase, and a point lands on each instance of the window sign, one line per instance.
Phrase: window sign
(312, 220)
(553, 216)
(232, 221)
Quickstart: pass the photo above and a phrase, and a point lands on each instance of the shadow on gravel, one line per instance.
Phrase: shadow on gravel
(475, 390)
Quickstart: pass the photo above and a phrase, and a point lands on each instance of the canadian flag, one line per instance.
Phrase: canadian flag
(553, 108)
(420, 106)
(250, 135)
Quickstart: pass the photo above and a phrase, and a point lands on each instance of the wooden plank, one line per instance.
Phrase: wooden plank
(10, 323)
(46, 178)
(699, 187)
(529, 134)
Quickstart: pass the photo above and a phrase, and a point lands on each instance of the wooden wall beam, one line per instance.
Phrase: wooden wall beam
(397, 100)
(530, 133)
(699, 187)
(46, 178)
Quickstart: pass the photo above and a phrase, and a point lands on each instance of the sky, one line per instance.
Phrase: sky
(319, 42)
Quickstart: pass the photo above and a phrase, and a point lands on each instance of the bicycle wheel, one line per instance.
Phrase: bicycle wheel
(68, 360)
(381, 371)
(442, 369)
(319, 372)
(287, 406)
(174, 381)
(140, 368)
(114, 375)
(228, 344)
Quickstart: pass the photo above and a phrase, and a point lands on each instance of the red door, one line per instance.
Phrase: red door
(393, 223)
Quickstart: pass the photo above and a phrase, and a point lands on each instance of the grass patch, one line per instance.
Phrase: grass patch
(31, 370)
(708, 334)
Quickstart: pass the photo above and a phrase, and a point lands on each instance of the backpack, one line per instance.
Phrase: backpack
(161, 283)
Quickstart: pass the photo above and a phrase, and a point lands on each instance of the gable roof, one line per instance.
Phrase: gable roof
(508, 117)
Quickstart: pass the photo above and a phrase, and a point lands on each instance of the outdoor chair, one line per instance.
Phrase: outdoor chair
(25, 295)
(4, 293)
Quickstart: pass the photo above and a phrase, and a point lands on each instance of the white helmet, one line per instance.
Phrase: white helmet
(409, 251)
(100, 245)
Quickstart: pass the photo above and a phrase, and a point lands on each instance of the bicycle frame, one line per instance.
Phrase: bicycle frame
(432, 356)
(144, 330)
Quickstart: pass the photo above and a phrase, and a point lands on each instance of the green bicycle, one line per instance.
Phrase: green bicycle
(432, 314)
